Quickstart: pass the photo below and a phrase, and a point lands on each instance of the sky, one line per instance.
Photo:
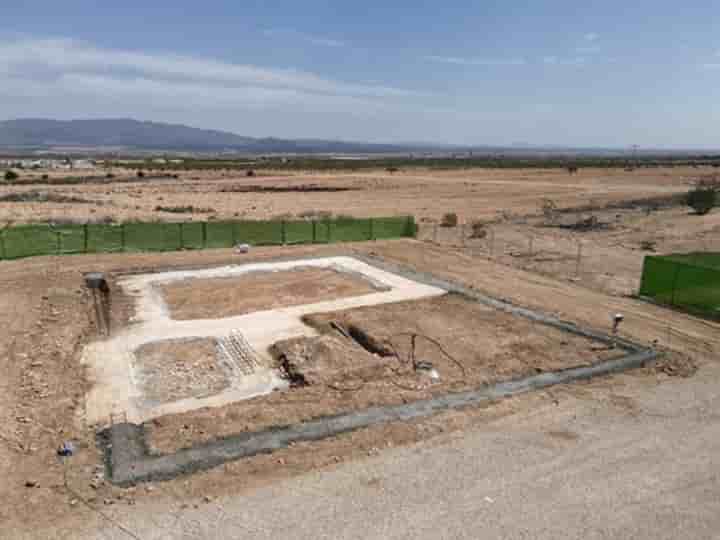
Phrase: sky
(542, 72)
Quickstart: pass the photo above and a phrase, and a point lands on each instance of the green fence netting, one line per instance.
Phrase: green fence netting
(31, 240)
(687, 281)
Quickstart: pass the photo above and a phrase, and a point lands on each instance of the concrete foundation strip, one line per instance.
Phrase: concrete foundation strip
(129, 460)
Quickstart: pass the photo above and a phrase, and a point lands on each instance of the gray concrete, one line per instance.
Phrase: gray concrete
(130, 463)
(640, 461)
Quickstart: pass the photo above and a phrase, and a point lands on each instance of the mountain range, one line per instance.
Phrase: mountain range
(133, 135)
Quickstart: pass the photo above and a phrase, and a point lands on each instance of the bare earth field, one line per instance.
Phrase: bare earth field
(487, 346)
(46, 316)
(427, 194)
(226, 297)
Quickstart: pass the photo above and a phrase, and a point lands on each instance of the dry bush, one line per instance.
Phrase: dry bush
(449, 220)
(648, 245)
(478, 229)
(549, 210)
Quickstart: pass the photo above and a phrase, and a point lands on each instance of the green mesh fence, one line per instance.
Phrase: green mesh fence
(192, 235)
(688, 281)
(31, 240)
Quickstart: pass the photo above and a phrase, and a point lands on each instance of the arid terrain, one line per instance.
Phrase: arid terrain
(580, 261)
(425, 193)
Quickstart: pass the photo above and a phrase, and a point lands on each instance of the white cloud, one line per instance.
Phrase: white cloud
(56, 57)
(461, 61)
(300, 36)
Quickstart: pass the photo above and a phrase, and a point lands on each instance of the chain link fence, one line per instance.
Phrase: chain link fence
(33, 240)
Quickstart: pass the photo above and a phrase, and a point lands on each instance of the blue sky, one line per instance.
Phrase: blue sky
(614, 73)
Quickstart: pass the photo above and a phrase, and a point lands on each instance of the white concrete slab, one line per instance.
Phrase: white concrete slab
(110, 362)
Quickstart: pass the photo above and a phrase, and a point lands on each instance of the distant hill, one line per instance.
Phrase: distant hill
(26, 134)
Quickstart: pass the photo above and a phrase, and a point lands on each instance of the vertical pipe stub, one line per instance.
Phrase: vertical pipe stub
(96, 280)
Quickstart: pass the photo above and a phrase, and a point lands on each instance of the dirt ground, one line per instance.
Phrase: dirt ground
(607, 259)
(218, 298)
(46, 314)
(178, 369)
(470, 345)
(424, 193)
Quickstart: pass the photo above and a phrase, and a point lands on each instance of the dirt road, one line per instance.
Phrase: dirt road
(629, 459)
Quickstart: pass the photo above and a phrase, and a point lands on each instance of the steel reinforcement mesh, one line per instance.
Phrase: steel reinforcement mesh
(687, 281)
(32, 240)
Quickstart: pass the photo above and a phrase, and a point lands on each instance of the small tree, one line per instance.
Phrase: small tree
(10, 176)
(703, 197)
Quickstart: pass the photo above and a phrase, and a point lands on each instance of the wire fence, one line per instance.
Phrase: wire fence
(33, 240)
(686, 281)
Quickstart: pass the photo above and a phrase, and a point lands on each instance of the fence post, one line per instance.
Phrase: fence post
(85, 240)
(204, 234)
(579, 258)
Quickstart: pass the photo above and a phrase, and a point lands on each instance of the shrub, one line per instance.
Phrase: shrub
(449, 220)
(648, 245)
(477, 229)
(549, 210)
(703, 197)
(11, 175)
